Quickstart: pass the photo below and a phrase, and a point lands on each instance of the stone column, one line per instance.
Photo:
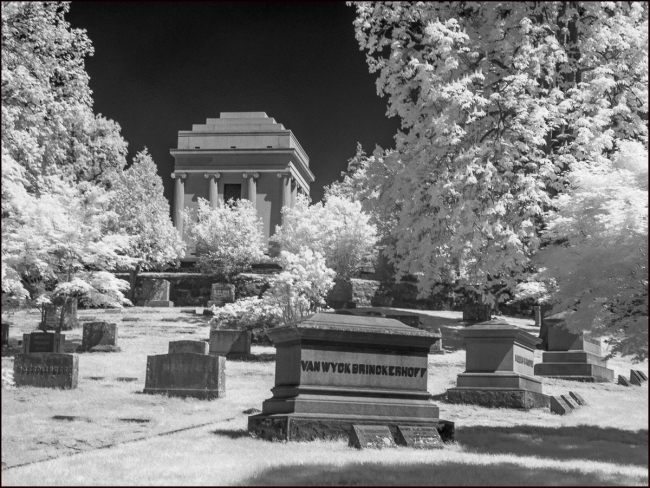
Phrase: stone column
(179, 200)
(286, 191)
(213, 179)
(252, 187)
(294, 192)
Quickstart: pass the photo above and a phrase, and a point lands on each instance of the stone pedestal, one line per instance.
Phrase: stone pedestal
(99, 337)
(46, 370)
(499, 368)
(186, 374)
(232, 344)
(334, 371)
(572, 356)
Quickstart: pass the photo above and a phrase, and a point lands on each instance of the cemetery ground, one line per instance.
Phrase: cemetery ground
(108, 432)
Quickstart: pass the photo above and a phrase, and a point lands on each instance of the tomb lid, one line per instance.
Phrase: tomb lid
(499, 328)
(333, 327)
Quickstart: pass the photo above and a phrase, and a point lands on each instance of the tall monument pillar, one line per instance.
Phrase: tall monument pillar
(179, 200)
(213, 179)
(252, 187)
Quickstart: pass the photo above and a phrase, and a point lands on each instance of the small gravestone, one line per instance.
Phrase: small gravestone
(155, 293)
(570, 401)
(436, 348)
(635, 379)
(5, 332)
(53, 315)
(99, 337)
(559, 406)
(577, 398)
(230, 343)
(113, 310)
(198, 347)
(622, 380)
(130, 319)
(419, 437)
(220, 294)
(43, 342)
(186, 375)
(371, 436)
(46, 370)
(641, 374)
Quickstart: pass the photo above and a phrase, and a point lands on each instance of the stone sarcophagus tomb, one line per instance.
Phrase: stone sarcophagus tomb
(499, 368)
(572, 356)
(334, 371)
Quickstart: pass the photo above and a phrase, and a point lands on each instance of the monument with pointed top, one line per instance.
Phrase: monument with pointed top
(240, 155)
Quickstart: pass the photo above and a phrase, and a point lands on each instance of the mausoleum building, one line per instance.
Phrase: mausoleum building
(240, 155)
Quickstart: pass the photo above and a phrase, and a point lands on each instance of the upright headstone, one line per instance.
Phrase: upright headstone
(559, 406)
(186, 374)
(53, 315)
(232, 344)
(5, 332)
(335, 371)
(197, 347)
(221, 293)
(499, 368)
(155, 293)
(99, 337)
(46, 370)
(43, 342)
(572, 356)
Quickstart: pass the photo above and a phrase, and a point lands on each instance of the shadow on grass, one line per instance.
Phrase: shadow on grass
(602, 444)
(233, 434)
(425, 474)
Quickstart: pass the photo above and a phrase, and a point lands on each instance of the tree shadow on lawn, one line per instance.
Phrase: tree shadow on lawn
(425, 474)
(601, 444)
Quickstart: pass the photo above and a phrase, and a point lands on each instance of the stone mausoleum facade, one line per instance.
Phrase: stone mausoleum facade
(240, 155)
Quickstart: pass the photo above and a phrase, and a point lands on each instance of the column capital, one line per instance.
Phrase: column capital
(211, 175)
(281, 175)
(252, 175)
(182, 176)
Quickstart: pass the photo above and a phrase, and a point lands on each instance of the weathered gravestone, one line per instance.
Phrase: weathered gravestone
(371, 436)
(499, 368)
(641, 374)
(572, 356)
(635, 378)
(568, 399)
(623, 381)
(43, 342)
(52, 315)
(46, 370)
(221, 293)
(5, 332)
(197, 347)
(334, 371)
(577, 398)
(186, 374)
(155, 293)
(559, 406)
(99, 337)
(232, 344)
(418, 437)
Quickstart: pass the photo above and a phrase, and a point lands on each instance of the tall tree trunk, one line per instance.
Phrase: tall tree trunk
(133, 276)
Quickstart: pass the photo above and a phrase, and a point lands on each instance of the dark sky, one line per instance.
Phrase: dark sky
(160, 67)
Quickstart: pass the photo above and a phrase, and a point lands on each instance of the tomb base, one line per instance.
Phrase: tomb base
(499, 398)
(499, 381)
(308, 427)
(575, 371)
(186, 392)
(158, 303)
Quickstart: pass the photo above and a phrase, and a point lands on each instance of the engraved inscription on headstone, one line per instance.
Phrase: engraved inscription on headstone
(371, 436)
(420, 437)
(570, 401)
(186, 374)
(42, 342)
(223, 292)
(46, 370)
(577, 398)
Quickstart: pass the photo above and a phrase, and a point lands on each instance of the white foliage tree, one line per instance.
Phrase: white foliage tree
(499, 103)
(228, 238)
(338, 229)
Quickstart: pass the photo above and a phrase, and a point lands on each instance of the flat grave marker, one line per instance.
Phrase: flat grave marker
(419, 437)
(641, 374)
(371, 436)
(559, 406)
(623, 381)
(570, 401)
(577, 398)
(635, 379)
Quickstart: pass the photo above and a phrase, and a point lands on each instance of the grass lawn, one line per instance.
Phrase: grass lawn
(106, 432)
